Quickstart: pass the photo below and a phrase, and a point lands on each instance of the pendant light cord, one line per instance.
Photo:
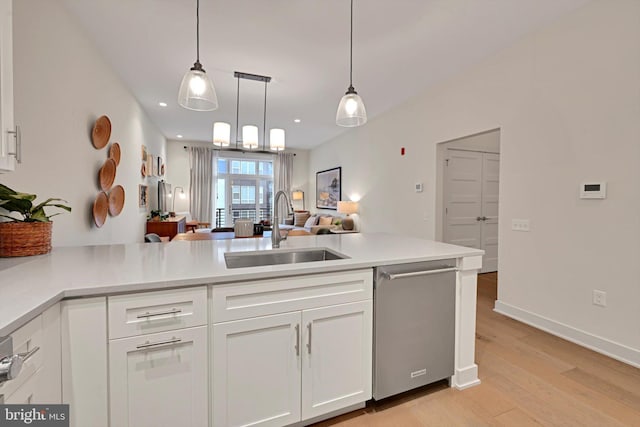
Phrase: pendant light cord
(237, 110)
(264, 119)
(351, 51)
(198, 29)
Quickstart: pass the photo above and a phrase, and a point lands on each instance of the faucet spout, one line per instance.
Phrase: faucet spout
(275, 230)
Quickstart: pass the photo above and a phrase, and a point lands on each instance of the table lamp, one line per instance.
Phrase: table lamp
(298, 195)
(348, 208)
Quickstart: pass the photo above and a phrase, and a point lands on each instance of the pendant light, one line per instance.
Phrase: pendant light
(221, 134)
(276, 139)
(351, 111)
(196, 90)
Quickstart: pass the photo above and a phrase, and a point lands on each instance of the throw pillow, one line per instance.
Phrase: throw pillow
(299, 218)
(311, 221)
(325, 220)
(288, 221)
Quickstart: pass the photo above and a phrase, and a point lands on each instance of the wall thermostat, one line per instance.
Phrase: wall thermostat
(593, 190)
(419, 187)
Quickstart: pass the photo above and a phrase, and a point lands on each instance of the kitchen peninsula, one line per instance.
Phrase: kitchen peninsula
(114, 304)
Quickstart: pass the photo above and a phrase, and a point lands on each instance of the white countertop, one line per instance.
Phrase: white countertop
(29, 285)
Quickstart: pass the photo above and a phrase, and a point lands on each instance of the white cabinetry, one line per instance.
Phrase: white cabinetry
(9, 134)
(336, 362)
(39, 380)
(158, 378)
(277, 369)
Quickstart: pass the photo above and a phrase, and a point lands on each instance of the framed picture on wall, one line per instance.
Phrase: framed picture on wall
(328, 188)
(143, 196)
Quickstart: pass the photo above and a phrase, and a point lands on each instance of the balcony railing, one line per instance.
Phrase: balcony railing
(252, 214)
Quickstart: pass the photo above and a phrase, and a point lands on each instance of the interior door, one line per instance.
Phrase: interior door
(489, 224)
(463, 198)
(471, 202)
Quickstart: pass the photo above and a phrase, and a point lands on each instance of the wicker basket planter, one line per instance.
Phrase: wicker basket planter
(25, 238)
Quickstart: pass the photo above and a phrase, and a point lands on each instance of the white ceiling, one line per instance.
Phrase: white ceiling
(400, 48)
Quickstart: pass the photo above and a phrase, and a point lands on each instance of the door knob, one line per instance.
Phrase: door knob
(478, 218)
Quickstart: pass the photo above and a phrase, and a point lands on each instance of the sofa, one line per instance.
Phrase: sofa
(318, 223)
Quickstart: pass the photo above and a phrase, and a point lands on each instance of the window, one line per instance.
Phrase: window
(244, 190)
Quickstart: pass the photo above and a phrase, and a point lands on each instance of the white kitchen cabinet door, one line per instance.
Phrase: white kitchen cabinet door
(159, 379)
(256, 371)
(8, 141)
(337, 357)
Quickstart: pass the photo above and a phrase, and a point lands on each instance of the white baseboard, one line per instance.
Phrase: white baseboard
(609, 348)
(465, 378)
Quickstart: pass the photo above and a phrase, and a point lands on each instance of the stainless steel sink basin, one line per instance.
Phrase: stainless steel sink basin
(273, 257)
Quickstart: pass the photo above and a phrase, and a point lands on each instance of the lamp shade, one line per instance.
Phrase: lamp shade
(197, 92)
(351, 111)
(297, 195)
(276, 139)
(250, 137)
(347, 207)
(221, 134)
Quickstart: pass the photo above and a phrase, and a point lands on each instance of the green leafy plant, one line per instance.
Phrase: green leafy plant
(22, 203)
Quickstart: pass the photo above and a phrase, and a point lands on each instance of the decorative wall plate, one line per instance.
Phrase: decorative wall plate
(107, 174)
(114, 153)
(116, 200)
(101, 132)
(100, 209)
(143, 170)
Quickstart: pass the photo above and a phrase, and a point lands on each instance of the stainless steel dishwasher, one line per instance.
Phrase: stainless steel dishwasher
(414, 325)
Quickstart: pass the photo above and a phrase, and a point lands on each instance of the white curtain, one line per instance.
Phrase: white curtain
(202, 162)
(283, 175)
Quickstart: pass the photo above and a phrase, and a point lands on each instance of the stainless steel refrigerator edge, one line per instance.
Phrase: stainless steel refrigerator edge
(414, 325)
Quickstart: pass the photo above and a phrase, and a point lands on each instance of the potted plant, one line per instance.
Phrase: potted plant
(29, 234)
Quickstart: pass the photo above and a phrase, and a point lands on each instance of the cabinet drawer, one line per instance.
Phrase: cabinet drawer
(26, 339)
(27, 393)
(264, 297)
(159, 311)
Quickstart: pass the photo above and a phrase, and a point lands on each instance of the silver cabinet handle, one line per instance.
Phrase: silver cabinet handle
(17, 136)
(297, 346)
(148, 344)
(161, 313)
(26, 356)
(10, 366)
(419, 273)
(309, 342)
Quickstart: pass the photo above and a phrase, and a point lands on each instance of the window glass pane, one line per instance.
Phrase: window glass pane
(235, 166)
(221, 190)
(235, 193)
(222, 166)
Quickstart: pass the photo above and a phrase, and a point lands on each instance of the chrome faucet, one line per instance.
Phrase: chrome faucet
(275, 230)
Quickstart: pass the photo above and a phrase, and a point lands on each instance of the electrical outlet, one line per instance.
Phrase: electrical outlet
(520, 225)
(599, 298)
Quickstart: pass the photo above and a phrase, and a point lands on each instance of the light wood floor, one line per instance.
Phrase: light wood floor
(529, 378)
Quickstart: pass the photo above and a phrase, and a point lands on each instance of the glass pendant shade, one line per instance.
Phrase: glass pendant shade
(250, 137)
(351, 111)
(196, 91)
(276, 139)
(221, 134)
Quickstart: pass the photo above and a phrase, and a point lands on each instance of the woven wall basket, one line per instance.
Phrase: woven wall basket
(25, 238)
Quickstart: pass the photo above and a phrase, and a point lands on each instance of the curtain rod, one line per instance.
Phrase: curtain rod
(239, 150)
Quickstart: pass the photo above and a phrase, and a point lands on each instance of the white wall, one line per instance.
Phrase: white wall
(62, 84)
(178, 170)
(567, 102)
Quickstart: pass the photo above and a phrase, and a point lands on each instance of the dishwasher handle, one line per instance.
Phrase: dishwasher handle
(393, 276)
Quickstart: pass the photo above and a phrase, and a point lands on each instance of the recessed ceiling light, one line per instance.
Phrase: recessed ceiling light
(162, 104)
(178, 136)
(297, 120)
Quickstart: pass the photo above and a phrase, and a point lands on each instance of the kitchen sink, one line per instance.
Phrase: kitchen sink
(273, 257)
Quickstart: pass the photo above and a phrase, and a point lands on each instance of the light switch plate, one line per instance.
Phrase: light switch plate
(520, 225)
